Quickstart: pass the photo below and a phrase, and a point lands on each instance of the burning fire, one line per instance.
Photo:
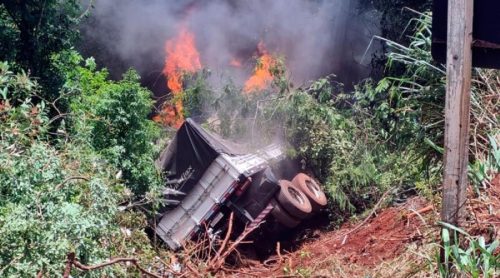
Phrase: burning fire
(181, 57)
(262, 73)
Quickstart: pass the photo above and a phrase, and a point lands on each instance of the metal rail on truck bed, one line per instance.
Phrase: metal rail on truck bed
(213, 189)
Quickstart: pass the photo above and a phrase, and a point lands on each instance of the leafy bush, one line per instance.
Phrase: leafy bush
(196, 96)
(342, 138)
(340, 145)
(408, 108)
(112, 116)
(229, 110)
(477, 259)
(321, 137)
(52, 200)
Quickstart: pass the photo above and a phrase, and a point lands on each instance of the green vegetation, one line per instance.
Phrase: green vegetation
(478, 259)
(61, 190)
(74, 146)
(113, 117)
(77, 149)
(386, 135)
(32, 31)
(54, 198)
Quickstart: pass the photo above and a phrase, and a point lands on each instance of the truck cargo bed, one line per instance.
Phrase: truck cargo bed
(212, 190)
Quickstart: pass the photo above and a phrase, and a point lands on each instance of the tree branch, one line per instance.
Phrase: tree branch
(72, 261)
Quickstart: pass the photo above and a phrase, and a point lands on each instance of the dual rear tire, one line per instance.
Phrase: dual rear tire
(293, 200)
(297, 200)
(312, 190)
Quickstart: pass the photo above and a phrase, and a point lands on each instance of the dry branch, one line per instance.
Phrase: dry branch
(72, 261)
(216, 265)
(418, 212)
(226, 239)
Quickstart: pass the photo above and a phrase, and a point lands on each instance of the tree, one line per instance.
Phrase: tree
(112, 116)
(61, 195)
(31, 31)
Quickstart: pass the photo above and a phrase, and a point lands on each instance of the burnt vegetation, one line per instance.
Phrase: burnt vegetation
(78, 181)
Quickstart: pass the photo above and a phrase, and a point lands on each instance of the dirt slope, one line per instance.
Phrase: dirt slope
(396, 242)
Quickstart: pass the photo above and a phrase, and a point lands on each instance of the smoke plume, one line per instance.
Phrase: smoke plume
(316, 37)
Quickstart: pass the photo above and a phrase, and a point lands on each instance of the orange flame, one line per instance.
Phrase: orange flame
(262, 73)
(181, 57)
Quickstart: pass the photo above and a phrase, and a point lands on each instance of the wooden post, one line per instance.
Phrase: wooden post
(457, 109)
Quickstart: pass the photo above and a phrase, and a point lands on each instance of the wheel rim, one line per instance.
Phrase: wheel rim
(313, 187)
(296, 195)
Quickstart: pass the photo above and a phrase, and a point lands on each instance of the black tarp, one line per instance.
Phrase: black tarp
(190, 153)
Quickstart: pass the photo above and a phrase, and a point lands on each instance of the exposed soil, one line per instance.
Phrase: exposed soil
(382, 246)
(379, 239)
(390, 239)
(484, 217)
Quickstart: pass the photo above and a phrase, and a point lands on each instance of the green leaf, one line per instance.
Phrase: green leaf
(382, 85)
(4, 93)
(433, 145)
(493, 246)
(452, 227)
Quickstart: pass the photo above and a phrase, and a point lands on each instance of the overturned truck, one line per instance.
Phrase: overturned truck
(208, 178)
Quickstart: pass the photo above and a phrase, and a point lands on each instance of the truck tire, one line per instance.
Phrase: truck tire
(293, 200)
(312, 190)
(282, 217)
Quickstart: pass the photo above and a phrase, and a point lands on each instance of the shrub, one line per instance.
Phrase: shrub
(337, 136)
(52, 200)
(477, 259)
(339, 143)
(112, 116)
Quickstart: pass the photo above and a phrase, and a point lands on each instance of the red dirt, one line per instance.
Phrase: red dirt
(485, 212)
(384, 237)
(381, 238)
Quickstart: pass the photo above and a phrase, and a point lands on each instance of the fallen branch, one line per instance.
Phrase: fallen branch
(278, 251)
(193, 270)
(226, 239)
(239, 272)
(72, 261)
(217, 263)
(420, 211)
